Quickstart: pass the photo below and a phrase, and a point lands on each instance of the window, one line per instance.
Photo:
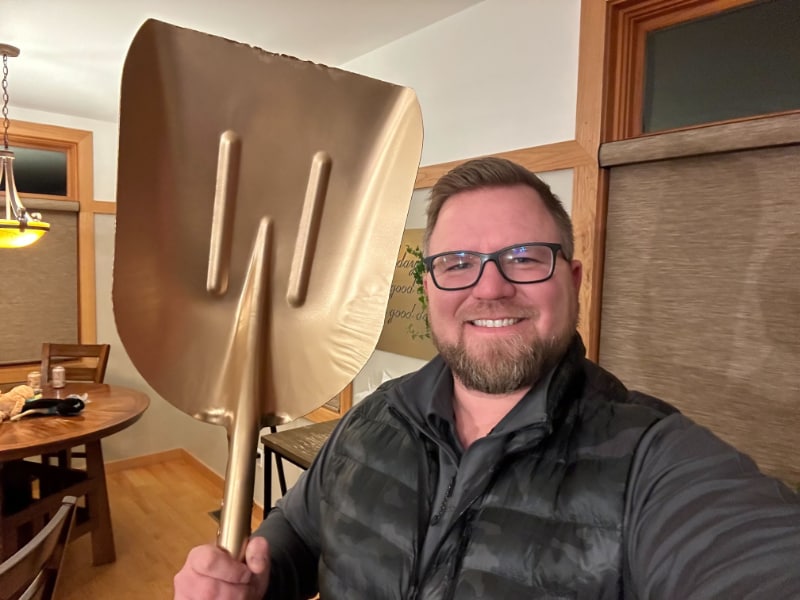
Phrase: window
(40, 172)
(739, 63)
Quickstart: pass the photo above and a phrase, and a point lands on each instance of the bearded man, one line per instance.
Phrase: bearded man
(510, 466)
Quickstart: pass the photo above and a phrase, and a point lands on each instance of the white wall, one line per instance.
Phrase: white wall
(499, 76)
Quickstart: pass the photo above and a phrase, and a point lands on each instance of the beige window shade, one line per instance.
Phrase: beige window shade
(701, 292)
(39, 286)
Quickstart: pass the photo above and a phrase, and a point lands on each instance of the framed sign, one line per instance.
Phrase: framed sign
(405, 326)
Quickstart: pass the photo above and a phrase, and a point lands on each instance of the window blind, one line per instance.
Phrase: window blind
(701, 291)
(39, 286)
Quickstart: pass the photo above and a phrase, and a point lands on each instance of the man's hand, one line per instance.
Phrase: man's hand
(210, 573)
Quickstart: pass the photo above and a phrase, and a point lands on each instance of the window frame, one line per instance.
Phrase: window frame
(77, 144)
(628, 24)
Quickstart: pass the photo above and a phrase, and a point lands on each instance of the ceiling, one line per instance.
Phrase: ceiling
(72, 51)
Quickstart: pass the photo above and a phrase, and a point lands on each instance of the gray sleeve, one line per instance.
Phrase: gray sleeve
(702, 522)
(292, 530)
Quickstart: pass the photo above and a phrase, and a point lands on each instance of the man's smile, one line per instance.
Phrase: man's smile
(507, 322)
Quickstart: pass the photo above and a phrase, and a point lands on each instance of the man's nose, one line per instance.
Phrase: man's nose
(492, 284)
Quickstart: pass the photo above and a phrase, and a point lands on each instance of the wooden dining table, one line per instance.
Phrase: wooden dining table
(108, 409)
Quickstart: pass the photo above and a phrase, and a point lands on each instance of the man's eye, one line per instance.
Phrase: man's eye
(458, 266)
(521, 260)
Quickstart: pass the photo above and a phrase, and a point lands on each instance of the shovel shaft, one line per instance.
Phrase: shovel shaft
(243, 370)
(237, 501)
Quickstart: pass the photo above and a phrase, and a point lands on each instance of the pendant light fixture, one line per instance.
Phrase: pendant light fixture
(19, 228)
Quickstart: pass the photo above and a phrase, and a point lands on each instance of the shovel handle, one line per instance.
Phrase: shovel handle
(237, 500)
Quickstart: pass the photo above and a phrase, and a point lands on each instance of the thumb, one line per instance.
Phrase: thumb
(257, 555)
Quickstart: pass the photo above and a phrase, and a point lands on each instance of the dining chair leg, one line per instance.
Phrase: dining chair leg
(99, 512)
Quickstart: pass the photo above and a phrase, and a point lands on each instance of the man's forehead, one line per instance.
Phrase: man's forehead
(508, 208)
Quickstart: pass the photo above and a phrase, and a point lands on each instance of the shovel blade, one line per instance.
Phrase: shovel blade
(220, 141)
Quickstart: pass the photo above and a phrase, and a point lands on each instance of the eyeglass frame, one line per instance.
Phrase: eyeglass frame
(493, 257)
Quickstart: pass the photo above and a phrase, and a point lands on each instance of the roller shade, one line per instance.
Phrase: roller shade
(39, 286)
(701, 290)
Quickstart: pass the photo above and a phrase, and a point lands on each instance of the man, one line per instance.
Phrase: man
(510, 466)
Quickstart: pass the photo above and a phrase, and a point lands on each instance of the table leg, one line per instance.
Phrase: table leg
(281, 474)
(99, 512)
(267, 481)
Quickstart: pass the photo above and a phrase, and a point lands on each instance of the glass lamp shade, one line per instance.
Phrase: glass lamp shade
(15, 235)
(24, 228)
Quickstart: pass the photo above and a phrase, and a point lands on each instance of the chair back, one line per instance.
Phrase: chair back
(32, 572)
(81, 362)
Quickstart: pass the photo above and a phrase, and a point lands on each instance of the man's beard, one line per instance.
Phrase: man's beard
(509, 364)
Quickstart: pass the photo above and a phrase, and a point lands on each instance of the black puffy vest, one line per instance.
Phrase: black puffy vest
(547, 523)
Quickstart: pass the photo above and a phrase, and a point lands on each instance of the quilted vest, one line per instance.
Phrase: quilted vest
(547, 522)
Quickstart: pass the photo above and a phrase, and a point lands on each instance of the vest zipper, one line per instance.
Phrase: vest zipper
(465, 536)
(446, 534)
(450, 591)
(443, 507)
(418, 577)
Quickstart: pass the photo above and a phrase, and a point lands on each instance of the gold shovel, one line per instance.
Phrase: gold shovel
(260, 204)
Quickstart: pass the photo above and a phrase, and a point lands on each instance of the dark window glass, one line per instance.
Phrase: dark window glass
(738, 63)
(39, 171)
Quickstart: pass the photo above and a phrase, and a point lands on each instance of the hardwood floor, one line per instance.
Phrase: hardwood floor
(159, 513)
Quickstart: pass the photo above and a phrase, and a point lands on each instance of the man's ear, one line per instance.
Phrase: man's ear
(576, 268)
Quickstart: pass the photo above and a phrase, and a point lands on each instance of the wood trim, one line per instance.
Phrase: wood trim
(324, 413)
(16, 373)
(589, 207)
(629, 22)
(101, 207)
(548, 157)
(115, 466)
(78, 145)
(87, 289)
(747, 134)
(87, 299)
(588, 188)
(46, 137)
(27, 197)
(591, 51)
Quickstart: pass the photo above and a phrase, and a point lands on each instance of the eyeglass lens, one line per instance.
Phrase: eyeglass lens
(520, 264)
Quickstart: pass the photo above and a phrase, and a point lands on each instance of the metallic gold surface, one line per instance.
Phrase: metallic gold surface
(261, 200)
(219, 255)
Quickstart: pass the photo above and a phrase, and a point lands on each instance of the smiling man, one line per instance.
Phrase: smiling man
(510, 466)
(501, 319)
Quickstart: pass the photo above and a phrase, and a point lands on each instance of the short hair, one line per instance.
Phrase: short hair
(489, 172)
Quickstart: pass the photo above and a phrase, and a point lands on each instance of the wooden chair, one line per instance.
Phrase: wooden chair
(32, 572)
(81, 362)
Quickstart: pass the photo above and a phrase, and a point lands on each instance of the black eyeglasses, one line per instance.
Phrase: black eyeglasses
(531, 262)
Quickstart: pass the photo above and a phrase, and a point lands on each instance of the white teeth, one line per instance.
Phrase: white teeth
(494, 322)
